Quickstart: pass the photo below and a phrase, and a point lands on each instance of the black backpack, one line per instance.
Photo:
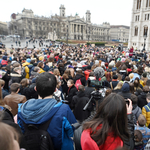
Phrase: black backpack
(37, 137)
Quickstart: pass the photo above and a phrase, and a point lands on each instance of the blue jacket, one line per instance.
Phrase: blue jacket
(38, 111)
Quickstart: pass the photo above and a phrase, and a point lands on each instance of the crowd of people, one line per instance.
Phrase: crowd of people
(44, 93)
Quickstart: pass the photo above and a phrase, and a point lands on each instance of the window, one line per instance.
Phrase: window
(145, 30)
(145, 16)
(147, 3)
(138, 4)
(136, 18)
(136, 31)
(148, 17)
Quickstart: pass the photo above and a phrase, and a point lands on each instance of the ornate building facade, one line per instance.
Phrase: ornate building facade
(140, 25)
(3, 28)
(119, 33)
(27, 24)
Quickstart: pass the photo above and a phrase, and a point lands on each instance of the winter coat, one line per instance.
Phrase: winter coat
(6, 78)
(136, 112)
(33, 74)
(15, 77)
(9, 120)
(78, 103)
(26, 64)
(81, 77)
(38, 111)
(41, 70)
(88, 91)
(71, 92)
(146, 113)
(13, 100)
(142, 100)
(128, 144)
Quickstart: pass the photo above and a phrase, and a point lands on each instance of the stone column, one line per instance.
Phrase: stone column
(76, 28)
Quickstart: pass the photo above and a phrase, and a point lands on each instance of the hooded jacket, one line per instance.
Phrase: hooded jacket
(26, 64)
(38, 111)
(136, 112)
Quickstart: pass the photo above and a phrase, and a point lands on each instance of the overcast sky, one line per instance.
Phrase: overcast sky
(116, 12)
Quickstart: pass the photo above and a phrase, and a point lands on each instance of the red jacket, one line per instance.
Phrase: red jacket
(4, 62)
(111, 143)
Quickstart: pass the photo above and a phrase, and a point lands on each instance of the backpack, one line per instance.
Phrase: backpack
(78, 82)
(37, 137)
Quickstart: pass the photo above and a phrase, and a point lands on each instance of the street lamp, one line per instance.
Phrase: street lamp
(145, 36)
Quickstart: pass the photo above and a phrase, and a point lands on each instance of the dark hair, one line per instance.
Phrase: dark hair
(131, 88)
(108, 91)
(138, 137)
(14, 87)
(81, 88)
(134, 99)
(112, 115)
(46, 84)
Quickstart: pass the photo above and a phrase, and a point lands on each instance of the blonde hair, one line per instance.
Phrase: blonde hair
(119, 85)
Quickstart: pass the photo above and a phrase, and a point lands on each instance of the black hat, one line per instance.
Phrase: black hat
(115, 77)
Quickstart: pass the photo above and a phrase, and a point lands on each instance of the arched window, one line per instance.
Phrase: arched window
(145, 30)
(136, 31)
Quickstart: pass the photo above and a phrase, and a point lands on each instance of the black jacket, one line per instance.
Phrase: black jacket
(142, 100)
(6, 78)
(78, 103)
(71, 92)
(125, 95)
(88, 91)
(61, 70)
(82, 77)
(7, 118)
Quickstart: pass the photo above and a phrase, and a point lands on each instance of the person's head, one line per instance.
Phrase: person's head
(108, 91)
(18, 70)
(136, 83)
(70, 83)
(16, 64)
(131, 88)
(112, 120)
(46, 84)
(146, 89)
(15, 87)
(81, 88)
(56, 72)
(41, 64)
(148, 97)
(134, 99)
(8, 137)
(24, 82)
(37, 69)
(2, 83)
(138, 137)
(119, 85)
(125, 87)
(141, 120)
(67, 71)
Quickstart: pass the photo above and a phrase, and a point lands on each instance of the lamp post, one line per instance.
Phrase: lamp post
(145, 36)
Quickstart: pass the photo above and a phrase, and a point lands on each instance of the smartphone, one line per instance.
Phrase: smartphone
(127, 101)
